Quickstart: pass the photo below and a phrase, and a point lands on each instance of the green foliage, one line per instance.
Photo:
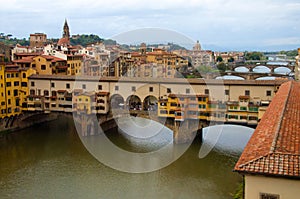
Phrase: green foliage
(222, 67)
(254, 56)
(13, 41)
(290, 53)
(239, 192)
(109, 42)
(175, 47)
(219, 59)
(231, 59)
(84, 40)
(205, 69)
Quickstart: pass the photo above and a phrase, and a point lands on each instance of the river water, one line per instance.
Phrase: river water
(50, 161)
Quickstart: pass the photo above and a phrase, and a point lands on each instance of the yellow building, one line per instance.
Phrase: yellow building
(200, 107)
(2, 87)
(48, 65)
(91, 102)
(74, 63)
(14, 89)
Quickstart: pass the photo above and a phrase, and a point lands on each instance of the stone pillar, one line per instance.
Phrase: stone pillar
(185, 131)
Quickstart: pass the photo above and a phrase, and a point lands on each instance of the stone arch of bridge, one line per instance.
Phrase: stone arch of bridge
(116, 101)
(150, 103)
(134, 102)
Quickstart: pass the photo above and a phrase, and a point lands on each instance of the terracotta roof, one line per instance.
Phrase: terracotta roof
(244, 97)
(63, 41)
(24, 60)
(103, 93)
(274, 148)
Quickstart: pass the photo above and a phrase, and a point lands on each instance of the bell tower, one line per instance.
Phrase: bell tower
(66, 32)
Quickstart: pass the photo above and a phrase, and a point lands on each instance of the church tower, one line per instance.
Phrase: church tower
(65, 40)
(66, 32)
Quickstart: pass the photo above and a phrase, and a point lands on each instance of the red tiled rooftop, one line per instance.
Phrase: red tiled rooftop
(63, 41)
(274, 148)
(27, 54)
(24, 60)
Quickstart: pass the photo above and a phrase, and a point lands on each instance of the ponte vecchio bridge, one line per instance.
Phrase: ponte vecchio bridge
(232, 101)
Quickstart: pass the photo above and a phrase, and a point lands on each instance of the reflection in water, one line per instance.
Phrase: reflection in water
(261, 69)
(282, 70)
(241, 69)
(227, 139)
(230, 77)
(266, 78)
(49, 161)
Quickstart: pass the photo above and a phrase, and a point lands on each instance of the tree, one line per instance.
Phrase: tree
(222, 67)
(231, 59)
(204, 69)
(254, 56)
(219, 59)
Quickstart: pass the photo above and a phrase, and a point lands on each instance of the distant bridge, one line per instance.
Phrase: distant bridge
(246, 75)
(290, 64)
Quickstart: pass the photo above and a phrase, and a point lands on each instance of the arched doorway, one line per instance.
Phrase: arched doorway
(150, 103)
(133, 102)
(117, 102)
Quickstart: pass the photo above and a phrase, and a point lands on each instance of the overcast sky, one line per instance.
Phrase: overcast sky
(228, 24)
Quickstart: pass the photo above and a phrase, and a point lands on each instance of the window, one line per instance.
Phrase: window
(24, 84)
(67, 85)
(133, 88)
(268, 196)
(17, 74)
(32, 84)
(173, 104)
(83, 86)
(206, 91)
(8, 84)
(46, 93)
(150, 89)
(243, 117)
(253, 109)
(268, 93)
(187, 91)
(12, 75)
(243, 108)
(24, 75)
(16, 83)
(226, 92)
(8, 75)
(52, 84)
(32, 92)
(43, 67)
(247, 92)
(163, 112)
(202, 106)
(99, 87)
(15, 92)
(8, 92)
(9, 101)
(116, 88)
(169, 90)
